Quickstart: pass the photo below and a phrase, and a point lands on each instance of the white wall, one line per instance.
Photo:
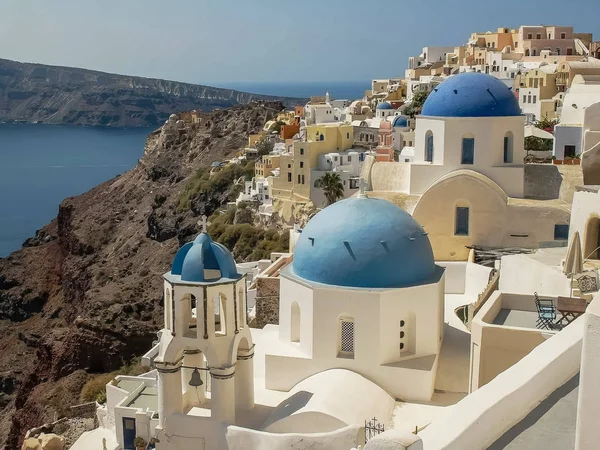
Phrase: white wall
(524, 275)
(482, 417)
(488, 155)
(246, 439)
(566, 135)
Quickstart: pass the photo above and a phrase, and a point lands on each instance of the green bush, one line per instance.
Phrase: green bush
(95, 388)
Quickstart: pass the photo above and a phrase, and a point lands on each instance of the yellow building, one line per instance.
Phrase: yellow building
(537, 91)
(264, 168)
(294, 180)
(568, 69)
(503, 37)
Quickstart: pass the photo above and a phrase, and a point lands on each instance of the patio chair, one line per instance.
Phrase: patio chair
(546, 312)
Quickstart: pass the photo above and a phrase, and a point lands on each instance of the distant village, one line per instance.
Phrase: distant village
(442, 295)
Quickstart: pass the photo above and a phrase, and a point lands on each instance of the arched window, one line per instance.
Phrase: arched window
(168, 306)
(468, 149)
(526, 52)
(220, 313)
(508, 147)
(322, 138)
(429, 146)
(295, 323)
(533, 52)
(346, 337)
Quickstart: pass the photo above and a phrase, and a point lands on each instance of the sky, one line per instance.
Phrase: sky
(224, 41)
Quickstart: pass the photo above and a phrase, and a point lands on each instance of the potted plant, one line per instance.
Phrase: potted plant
(577, 159)
(140, 443)
(558, 162)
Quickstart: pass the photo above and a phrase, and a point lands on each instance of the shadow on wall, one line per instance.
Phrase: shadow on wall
(288, 407)
(543, 420)
(542, 181)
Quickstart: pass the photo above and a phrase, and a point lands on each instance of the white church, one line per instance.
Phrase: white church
(368, 326)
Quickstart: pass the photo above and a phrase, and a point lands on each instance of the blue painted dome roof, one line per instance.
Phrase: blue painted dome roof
(366, 243)
(202, 254)
(384, 105)
(400, 121)
(471, 94)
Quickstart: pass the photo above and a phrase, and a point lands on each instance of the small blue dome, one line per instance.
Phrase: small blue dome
(471, 94)
(366, 243)
(400, 122)
(202, 254)
(384, 105)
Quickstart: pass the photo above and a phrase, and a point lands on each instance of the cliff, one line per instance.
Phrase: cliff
(66, 95)
(84, 296)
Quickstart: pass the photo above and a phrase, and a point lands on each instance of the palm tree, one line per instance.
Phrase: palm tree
(331, 183)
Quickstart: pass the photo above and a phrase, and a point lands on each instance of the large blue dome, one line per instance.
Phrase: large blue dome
(366, 243)
(202, 254)
(471, 94)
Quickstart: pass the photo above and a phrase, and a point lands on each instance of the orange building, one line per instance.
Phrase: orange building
(385, 149)
(289, 131)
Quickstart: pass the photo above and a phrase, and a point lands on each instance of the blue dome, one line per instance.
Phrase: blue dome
(384, 105)
(471, 95)
(202, 254)
(400, 122)
(365, 243)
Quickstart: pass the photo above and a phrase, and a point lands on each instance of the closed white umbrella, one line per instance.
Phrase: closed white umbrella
(530, 130)
(574, 260)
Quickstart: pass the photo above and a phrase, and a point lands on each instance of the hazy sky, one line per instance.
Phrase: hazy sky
(220, 41)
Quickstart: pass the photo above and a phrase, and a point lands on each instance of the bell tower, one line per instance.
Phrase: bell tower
(205, 334)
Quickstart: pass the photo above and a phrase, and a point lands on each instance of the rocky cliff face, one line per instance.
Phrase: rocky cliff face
(85, 296)
(66, 95)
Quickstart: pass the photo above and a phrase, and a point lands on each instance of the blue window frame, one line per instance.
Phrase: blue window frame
(462, 221)
(429, 147)
(561, 232)
(468, 150)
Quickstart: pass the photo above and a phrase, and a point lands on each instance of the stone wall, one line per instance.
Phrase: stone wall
(542, 181)
(84, 410)
(267, 301)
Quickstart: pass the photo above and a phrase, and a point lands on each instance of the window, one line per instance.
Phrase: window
(322, 138)
(535, 99)
(561, 232)
(299, 178)
(462, 221)
(538, 36)
(301, 151)
(468, 150)
(301, 164)
(529, 99)
(527, 52)
(524, 99)
(347, 135)
(516, 44)
(563, 35)
(302, 179)
(429, 146)
(346, 332)
(569, 151)
(289, 177)
(557, 50)
(508, 148)
(349, 158)
(529, 36)
(569, 51)
(220, 314)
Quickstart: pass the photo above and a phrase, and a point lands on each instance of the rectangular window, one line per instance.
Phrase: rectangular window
(529, 36)
(569, 151)
(346, 338)
(299, 179)
(561, 232)
(524, 99)
(468, 150)
(349, 158)
(301, 151)
(569, 51)
(289, 177)
(507, 150)
(538, 36)
(529, 99)
(347, 135)
(563, 35)
(301, 164)
(535, 99)
(462, 221)
(302, 179)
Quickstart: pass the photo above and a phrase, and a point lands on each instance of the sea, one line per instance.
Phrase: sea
(40, 165)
